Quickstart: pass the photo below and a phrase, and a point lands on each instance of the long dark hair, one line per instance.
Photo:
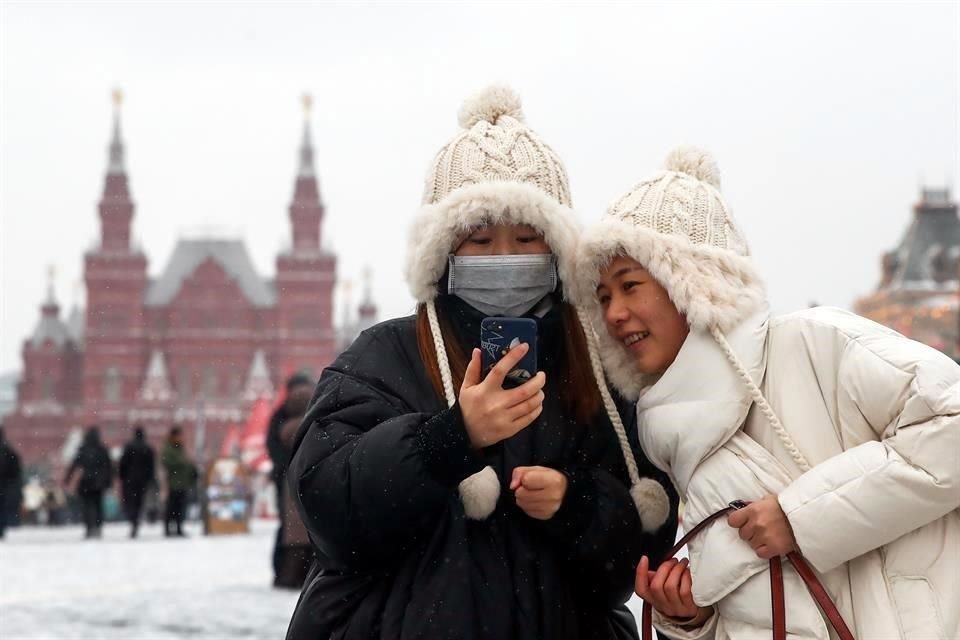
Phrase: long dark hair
(581, 396)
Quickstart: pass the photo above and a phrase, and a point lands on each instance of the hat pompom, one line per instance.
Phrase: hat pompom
(489, 105)
(694, 162)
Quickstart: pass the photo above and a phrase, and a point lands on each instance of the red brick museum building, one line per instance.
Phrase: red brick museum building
(195, 346)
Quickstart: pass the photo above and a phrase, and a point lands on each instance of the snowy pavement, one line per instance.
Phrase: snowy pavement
(56, 586)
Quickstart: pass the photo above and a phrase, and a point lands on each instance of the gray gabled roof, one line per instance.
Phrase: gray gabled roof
(935, 228)
(50, 328)
(75, 324)
(230, 254)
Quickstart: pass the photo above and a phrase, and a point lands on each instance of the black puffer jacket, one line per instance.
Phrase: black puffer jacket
(137, 466)
(376, 467)
(93, 463)
(10, 468)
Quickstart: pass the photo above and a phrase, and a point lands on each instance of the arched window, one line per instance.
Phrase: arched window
(111, 385)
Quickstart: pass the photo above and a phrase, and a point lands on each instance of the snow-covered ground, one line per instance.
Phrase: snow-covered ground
(56, 586)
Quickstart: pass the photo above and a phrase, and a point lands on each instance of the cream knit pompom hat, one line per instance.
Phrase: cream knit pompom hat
(678, 226)
(496, 170)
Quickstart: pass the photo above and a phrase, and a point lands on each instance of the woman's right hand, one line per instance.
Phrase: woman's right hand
(669, 590)
(492, 413)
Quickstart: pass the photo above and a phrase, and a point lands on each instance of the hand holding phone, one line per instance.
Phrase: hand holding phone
(492, 413)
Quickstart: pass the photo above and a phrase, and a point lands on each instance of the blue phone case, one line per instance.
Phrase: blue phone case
(499, 335)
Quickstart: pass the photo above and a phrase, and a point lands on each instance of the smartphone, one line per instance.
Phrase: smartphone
(498, 336)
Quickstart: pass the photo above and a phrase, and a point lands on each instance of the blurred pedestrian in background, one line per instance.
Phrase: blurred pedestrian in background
(137, 471)
(181, 474)
(297, 386)
(10, 472)
(96, 475)
(294, 554)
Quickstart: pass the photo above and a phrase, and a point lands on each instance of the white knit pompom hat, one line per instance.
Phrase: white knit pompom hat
(678, 226)
(496, 170)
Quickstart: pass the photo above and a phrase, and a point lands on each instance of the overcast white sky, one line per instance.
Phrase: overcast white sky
(825, 119)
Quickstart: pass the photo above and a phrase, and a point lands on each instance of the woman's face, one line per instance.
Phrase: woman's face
(640, 314)
(503, 240)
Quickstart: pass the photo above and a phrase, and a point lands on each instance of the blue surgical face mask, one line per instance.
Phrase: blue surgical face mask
(504, 285)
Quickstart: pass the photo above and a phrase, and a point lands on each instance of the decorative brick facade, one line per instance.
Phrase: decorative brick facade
(196, 346)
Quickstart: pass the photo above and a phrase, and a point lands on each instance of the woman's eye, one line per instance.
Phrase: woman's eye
(604, 300)
(527, 239)
(630, 284)
(479, 240)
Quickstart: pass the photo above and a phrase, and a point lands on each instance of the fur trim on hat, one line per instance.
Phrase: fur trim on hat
(652, 503)
(479, 493)
(438, 228)
(711, 287)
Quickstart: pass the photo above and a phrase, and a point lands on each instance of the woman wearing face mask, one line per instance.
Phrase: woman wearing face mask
(842, 434)
(441, 504)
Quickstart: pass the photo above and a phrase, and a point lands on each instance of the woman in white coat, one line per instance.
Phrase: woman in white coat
(843, 435)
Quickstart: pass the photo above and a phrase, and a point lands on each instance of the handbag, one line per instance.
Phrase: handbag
(799, 563)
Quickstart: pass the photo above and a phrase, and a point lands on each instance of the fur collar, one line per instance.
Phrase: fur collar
(712, 287)
(438, 227)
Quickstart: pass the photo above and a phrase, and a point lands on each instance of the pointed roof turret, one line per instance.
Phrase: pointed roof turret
(116, 165)
(306, 169)
(156, 384)
(76, 321)
(50, 327)
(306, 210)
(75, 324)
(116, 206)
(258, 379)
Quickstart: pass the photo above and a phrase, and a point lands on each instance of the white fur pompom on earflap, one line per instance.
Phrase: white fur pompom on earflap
(695, 162)
(479, 493)
(652, 503)
(488, 105)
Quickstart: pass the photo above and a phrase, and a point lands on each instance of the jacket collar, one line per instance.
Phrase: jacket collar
(700, 402)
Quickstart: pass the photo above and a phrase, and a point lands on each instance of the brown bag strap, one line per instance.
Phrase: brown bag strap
(646, 624)
(778, 604)
(819, 593)
(778, 600)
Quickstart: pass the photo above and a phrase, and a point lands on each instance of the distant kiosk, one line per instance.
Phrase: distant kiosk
(228, 496)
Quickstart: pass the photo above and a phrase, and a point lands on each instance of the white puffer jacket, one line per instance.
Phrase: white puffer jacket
(878, 418)
(853, 426)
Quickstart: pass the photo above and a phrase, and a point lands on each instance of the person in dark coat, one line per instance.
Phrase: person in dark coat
(96, 476)
(279, 451)
(137, 471)
(441, 504)
(295, 553)
(10, 481)
(181, 476)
